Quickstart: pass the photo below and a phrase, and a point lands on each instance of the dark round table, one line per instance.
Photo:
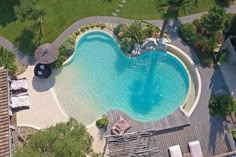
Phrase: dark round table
(42, 70)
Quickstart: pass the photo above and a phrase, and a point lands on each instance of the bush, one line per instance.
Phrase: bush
(59, 62)
(223, 57)
(62, 140)
(127, 44)
(206, 58)
(87, 27)
(102, 123)
(188, 32)
(232, 30)
(66, 49)
(221, 105)
(118, 29)
(102, 25)
(233, 132)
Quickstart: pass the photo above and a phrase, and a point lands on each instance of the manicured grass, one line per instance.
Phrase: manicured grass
(147, 9)
(60, 15)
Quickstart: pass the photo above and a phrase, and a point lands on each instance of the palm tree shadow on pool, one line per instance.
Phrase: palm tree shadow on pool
(143, 93)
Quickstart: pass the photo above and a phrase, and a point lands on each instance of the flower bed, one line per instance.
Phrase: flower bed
(202, 43)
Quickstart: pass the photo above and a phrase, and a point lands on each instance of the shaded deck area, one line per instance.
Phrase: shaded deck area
(169, 131)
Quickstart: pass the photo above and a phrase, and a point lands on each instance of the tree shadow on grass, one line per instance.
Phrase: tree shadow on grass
(225, 3)
(25, 42)
(7, 13)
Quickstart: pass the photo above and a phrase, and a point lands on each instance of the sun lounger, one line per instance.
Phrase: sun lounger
(20, 84)
(175, 151)
(195, 149)
(120, 127)
(20, 101)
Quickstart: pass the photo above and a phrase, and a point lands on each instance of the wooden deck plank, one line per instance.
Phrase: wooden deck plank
(177, 129)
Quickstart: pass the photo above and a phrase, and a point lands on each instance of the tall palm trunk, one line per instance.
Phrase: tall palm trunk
(163, 28)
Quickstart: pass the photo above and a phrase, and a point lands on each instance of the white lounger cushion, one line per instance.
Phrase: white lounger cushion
(21, 101)
(195, 149)
(19, 84)
(175, 151)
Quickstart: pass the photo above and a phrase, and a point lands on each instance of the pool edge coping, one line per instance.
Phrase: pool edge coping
(199, 81)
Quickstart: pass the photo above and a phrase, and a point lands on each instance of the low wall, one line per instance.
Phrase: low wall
(195, 84)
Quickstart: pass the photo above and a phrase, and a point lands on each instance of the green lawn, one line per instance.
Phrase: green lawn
(60, 15)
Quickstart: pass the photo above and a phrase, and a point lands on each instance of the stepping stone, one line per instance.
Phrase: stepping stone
(121, 6)
(114, 14)
(124, 1)
(117, 10)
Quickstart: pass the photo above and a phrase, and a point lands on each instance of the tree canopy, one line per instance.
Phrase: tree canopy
(8, 60)
(221, 105)
(64, 139)
(171, 9)
(214, 20)
(28, 10)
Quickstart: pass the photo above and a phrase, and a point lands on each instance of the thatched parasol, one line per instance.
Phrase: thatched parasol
(46, 53)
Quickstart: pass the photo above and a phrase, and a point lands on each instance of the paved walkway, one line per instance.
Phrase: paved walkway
(24, 59)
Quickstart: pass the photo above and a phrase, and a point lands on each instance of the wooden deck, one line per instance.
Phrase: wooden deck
(176, 119)
(171, 131)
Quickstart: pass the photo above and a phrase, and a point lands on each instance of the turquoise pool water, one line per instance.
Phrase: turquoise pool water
(100, 78)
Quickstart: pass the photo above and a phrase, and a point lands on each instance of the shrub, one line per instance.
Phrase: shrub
(87, 27)
(102, 25)
(59, 62)
(8, 60)
(233, 132)
(102, 123)
(62, 140)
(188, 32)
(92, 25)
(118, 29)
(206, 58)
(67, 47)
(214, 20)
(223, 57)
(149, 30)
(82, 29)
(232, 30)
(127, 44)
(65, 51)
(221, 105)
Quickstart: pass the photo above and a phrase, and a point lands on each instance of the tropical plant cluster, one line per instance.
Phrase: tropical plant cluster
(221, 105)
(205, 34)
(64, 139)
(66, 49)
(134, 33)
(8, 60)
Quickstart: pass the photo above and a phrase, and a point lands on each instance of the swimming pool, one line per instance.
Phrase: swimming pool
(100, 78)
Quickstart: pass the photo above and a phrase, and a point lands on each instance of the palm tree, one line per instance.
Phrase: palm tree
(8, 60)
(135, 31)
(171, 9)
(214, 20)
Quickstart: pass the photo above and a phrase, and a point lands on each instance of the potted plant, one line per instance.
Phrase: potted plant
(102, 122)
